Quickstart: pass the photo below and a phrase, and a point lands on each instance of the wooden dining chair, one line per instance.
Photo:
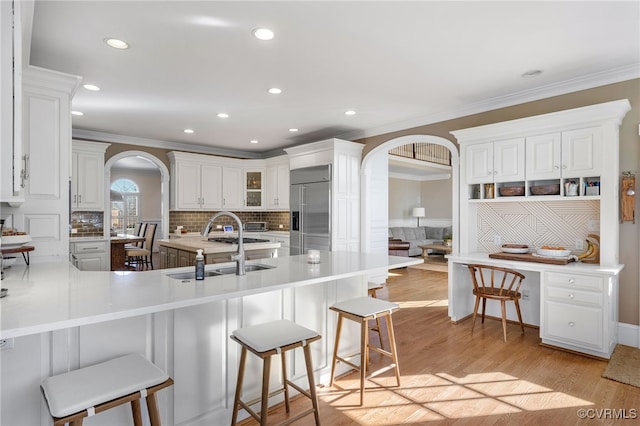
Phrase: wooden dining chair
(143, 255)
(496, 283)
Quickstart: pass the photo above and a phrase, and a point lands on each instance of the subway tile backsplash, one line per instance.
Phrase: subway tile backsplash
(195, 221)
(87, 224)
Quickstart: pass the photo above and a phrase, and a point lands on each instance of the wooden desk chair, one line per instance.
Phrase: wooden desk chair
(494, 282)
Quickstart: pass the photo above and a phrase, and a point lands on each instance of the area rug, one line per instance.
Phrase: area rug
(624, 366)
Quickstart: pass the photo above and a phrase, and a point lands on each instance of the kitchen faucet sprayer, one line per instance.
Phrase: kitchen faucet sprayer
(239, 256)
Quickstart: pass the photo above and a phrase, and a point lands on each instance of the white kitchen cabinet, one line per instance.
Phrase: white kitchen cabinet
(196, 182)
(569, 154)
(232, 188)
(87, 175)
(501, 161)
(577, 312)
(278, 237)
(90, 255)
(277, 187)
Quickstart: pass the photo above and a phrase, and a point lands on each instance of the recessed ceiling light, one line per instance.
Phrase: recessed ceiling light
(263, 34)
(253, 141)
(293, 130)
(275, 91)
(77, 113)
(223, 115)
(188, 131)
(91, 87)
(350, 112)
(531, 74)
(116, 44)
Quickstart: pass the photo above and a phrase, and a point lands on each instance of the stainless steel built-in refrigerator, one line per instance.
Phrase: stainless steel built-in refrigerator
(310, 205)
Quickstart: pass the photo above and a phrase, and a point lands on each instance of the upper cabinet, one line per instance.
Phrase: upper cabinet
(87, 175)
(501, 161)
(277, 184)
(206, 182)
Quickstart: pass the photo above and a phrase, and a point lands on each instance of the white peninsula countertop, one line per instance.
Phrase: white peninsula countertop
(54, 296)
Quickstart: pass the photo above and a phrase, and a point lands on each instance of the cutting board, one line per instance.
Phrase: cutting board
(528, 257)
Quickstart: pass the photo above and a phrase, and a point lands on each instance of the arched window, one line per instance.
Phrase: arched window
(124, 206)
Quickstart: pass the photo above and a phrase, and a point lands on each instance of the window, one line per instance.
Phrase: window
(125, 212)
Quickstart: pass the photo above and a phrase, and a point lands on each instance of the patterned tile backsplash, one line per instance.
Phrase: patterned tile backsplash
(558, 223)
(87, 224)
(195, 221)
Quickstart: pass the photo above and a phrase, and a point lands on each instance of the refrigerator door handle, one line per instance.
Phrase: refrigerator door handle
(295, 221)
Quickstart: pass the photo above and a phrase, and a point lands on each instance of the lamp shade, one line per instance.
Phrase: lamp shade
(418, 212)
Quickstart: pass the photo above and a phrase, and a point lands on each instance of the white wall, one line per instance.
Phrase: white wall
(434, 196)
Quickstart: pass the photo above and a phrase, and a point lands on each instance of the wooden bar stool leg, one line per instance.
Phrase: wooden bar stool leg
(364, 357)
(335, 349)
(393, 348)
(236, 402)
(312, 383)
(136, 412)
(152, 407)
(284, 381)
(264, 403)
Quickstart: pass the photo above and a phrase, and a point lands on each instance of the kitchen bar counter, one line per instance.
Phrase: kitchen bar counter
(53, 296)
(57, 318)
(193, 243)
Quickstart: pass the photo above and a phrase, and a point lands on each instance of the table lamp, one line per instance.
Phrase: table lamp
(418, 212)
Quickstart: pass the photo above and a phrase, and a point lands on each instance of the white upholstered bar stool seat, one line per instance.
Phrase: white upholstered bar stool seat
(90, 390)
(361, 310)
(265, 340)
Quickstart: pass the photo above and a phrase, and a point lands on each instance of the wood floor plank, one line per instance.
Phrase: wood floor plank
(450, 376)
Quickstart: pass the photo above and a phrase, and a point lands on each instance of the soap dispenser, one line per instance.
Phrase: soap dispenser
(199, 265)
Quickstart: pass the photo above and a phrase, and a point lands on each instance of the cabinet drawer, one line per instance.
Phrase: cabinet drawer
(573, 324)
(586, 282)
(88, 247)
(572, 296)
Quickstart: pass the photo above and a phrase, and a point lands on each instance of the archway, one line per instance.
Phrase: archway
(375, 194)
(164, 188)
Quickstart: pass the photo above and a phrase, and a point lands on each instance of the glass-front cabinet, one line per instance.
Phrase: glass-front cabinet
(254, 189)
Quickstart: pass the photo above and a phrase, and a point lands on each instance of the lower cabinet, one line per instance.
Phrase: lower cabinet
(90, 255)
(282, 238)
(579, 312)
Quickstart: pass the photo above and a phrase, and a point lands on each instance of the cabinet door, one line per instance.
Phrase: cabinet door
(283, 187)
(211, 184)
(581, 152)
(188, 191)
(479, 161)
(96, 262)
(543, 157)
(254, 189)
(508, 160)
(232, 191)
(89, 179)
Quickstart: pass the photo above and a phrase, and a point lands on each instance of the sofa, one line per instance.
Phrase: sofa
(419, 235)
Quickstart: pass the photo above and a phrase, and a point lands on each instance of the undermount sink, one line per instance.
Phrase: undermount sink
(227, 270)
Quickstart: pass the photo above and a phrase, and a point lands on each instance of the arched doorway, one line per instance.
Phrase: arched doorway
(375, 194)
(164, 189)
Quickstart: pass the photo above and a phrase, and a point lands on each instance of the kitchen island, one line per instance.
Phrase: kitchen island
(181, 251)
(58, 318)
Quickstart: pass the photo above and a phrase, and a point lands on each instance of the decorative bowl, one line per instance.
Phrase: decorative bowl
(553, 189)
(515, 248)
(553, 252)
(511, 191)
(13, 241)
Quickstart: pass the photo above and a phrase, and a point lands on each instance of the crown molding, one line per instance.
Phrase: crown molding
(590, 81)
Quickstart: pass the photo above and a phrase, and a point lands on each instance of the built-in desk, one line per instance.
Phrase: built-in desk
(575, 305)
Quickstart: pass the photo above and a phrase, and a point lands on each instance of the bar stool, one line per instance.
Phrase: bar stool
(90, 390)
(361, 310)
(265, 340)
(372, 291)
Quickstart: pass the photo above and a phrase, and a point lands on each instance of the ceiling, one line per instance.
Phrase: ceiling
(396, 64)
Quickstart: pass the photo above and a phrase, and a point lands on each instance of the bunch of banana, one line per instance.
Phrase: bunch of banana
(593, 249)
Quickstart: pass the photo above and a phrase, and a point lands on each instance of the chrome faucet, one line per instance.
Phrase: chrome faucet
(239, 256)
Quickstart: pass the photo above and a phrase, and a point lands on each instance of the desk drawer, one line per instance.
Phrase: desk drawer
(578, 325)
(573, 296)
(587, 282)
(88, 247)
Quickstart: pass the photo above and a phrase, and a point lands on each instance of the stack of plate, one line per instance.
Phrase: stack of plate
(515, 248)
(553, 252)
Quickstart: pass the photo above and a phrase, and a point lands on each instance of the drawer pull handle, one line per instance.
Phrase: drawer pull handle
(571, 324)
(571, 281)
(571, 296)
(90, 248)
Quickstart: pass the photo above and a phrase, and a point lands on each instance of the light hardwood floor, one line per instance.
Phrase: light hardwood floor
(450, 376)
